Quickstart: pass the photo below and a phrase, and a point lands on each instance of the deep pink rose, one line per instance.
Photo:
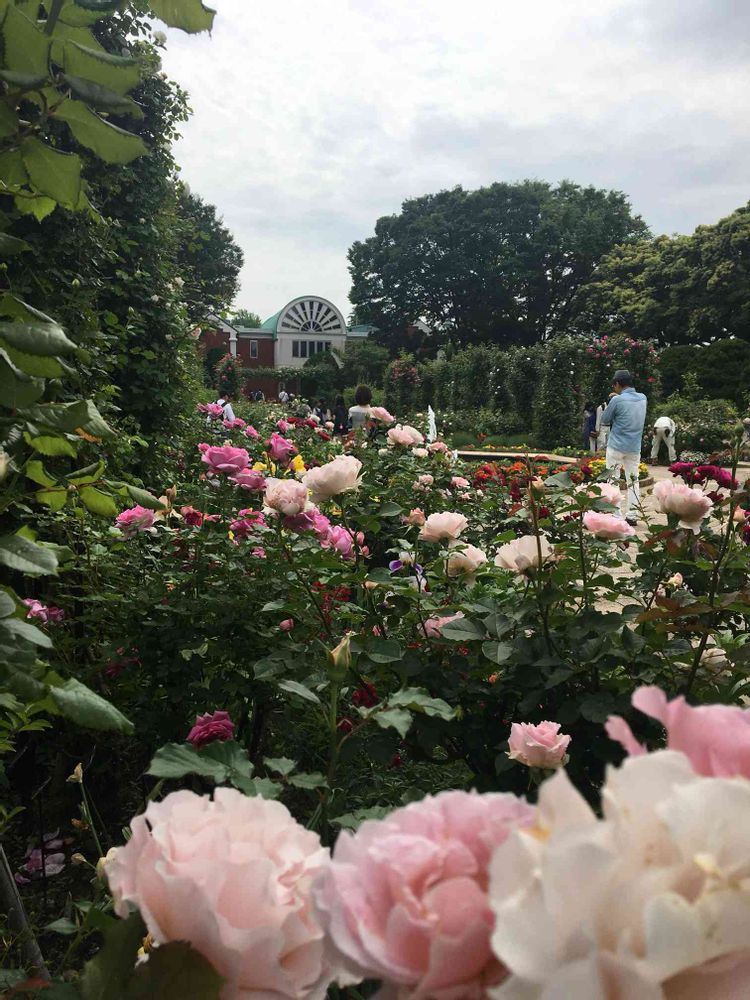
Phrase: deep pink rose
(287, 625)
(608, 526)
(225, 459)
(280, 449)
(192, 516)
(310, 520)
(284, 426)
(231, 874)
(259, 552)
(136, 519)
(244, 527)
(42, 612)
(405, 898)
(344, 542)
(234, 425)
(541, 746)
(251, 432)
(211, 409)
(211, 727)
(250, 479)
(723, 477)
(715, 738)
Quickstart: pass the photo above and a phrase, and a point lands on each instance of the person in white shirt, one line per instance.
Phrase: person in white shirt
(359, 413)
(664, 431)
(225, 402)
(284, 397)
(602, 431)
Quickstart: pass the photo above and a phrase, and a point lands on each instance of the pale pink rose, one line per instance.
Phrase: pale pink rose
(226, 460)
(423, 483)
(286, 496)
(601, 491)
(230, 874)
(404, 435)
(287, 625)
(280, 449)
(675, 580)
(341, 475)
(415, 517)
(380, 413)
(714, 738)
(329, 425)
(250, 479)
(211, 727)
(443, 527)
(464, 560)
(419, 452)
(522, 554)
(650, 902)
(541, 745)
(251, 432)
(135, 519)
(404, 899)
(740, 515)
(459, 483)
(433, 627)
(437, 446)
(689, 503)
(607, 526)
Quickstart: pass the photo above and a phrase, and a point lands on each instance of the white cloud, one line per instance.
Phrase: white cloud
(312, 120)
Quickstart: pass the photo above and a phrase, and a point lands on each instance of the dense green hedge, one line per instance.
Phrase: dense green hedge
(539, 390)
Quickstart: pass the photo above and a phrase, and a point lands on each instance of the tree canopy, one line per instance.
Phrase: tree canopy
(211, 258)
(503, 264)
(244, 317)
(680, 290)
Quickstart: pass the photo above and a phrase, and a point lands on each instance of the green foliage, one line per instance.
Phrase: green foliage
(504, 264)
(703, 425)
(244, 317)
(228, 372)
(721, 369)
(678, 290)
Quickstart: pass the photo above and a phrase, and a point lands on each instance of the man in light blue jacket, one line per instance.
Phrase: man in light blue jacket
(625, 416)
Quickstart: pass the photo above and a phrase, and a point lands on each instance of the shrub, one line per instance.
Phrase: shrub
(703, 425)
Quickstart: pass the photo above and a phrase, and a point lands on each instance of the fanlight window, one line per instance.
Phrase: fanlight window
(311, 316)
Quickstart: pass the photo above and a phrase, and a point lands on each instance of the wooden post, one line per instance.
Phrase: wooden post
(10, 901)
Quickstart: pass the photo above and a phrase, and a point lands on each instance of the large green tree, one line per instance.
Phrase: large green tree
(208, 256)
(244, 317)
(505, 263)
(680, 290)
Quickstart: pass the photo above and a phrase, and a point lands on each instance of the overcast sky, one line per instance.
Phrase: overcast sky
(312, 119)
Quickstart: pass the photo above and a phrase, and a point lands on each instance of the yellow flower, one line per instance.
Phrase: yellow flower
(298, 463)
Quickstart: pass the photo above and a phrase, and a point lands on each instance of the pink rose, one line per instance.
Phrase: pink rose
(459, 483)
(234, 425)
(250, 479)
(231, 874)
(714, 738)
(405, 436)
(287, 496)
(601, 491)
(280, 449)
(209, 728)
(442, 527)
(225, 459)
(284, 426)
(687, 502)
(259, 552)
(607, 526)
(136, 519)
(343, 541)
(538, 746)
(203, 447)
(464, 560)
(251, 432)
(46, 615)
(415, 517)
(287, 625)
(405, 898)
(522, 554)
(244, 527)
(433, 627)
(310, 520)
(380, 413)
(339, 476)
(213, 410)
(437, 446)
(419, 452)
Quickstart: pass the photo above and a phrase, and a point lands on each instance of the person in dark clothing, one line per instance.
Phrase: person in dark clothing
(588, 428)
(340, 417)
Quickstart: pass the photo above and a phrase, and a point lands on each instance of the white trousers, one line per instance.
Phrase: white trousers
(663, 434)
(618, 461)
